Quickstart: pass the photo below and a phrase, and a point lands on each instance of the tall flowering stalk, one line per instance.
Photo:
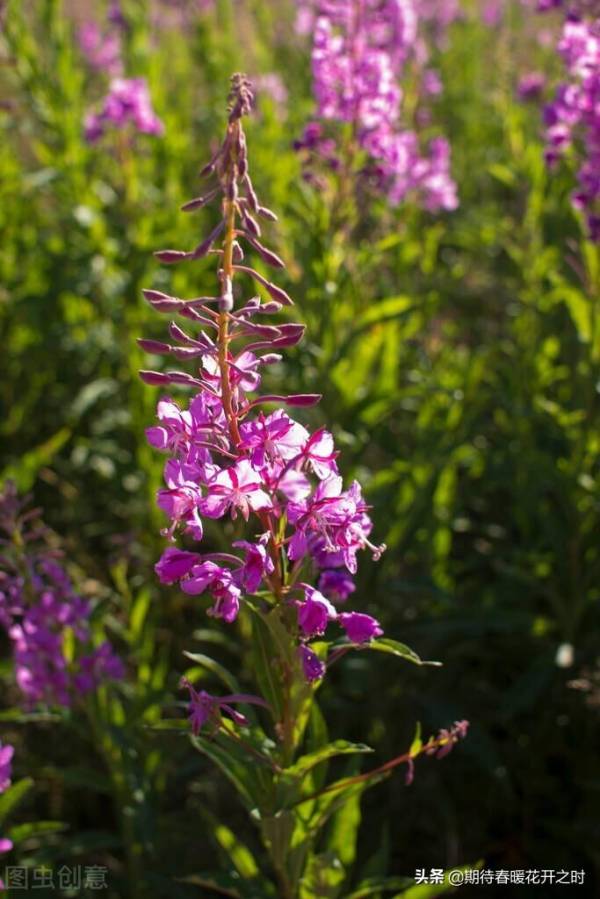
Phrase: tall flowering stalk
(55, 661)
(573, 118)
(230, 457)
(361, 50)
(127, 105)
(6, 756)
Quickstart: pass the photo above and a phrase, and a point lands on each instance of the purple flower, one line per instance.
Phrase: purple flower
(175, 564)
(205, 708)
(531, 85)
(274, 438)
(6, 756)
(127, 104)
(360, 51)
(258, 563)
(359, 628)
(219, 582)
(314, 613)
(336, 584)
(573, 118)
(98, 666)
(225, 455)
(238, 487)
(102, 50)
(181, 500)
(313, 667)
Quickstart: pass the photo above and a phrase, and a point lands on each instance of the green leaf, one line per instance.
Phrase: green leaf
(323, 878)
(25, 471)
(265, 655)
(138, 615)
(21, 832)
(338, 747)
(239, 854)
(343, 831)
(252, 778)
(215, 668)
(14, 796)
(396, 649)
(417, 743)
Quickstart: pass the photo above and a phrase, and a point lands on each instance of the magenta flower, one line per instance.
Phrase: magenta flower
(204, 708)
(238, 487)
(360, 51)
(315, 613)
(319, 454)
(226, 456)
(274, 438)
(175, 564)
(258, 563)
(127, 105)
(41, 619)
(313, 667)
(102, 50)
(208, 576)
(336, 584)
(531, 86)
(181, 500)
(6, 756)
(573, 118)
(360, 628)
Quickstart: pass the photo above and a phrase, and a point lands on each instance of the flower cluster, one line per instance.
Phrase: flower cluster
(360, 51)
(6, 756)
(207, 709)
(127, 104)
(229, 457)
(575, 7)
(573, 118)
(167, 14)
(45, 620)
(438, 747)
(102, 49)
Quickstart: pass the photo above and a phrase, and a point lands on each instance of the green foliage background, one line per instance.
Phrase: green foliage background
(459, 360)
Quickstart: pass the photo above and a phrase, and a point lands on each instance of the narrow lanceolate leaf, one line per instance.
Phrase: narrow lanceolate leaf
(215, 668)
(14, 796)
(266, 657)
(241, 775)
(339, 747)
(239, 854)
(324, 877)
(393, 647)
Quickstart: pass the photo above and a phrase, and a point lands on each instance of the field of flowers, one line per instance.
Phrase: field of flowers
(299, 438)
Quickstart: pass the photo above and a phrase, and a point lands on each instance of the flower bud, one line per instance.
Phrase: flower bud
(170, 257)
